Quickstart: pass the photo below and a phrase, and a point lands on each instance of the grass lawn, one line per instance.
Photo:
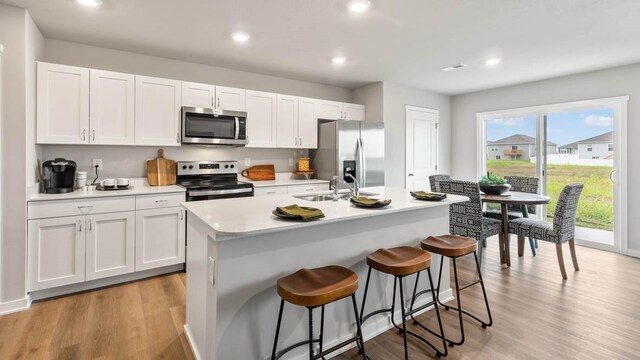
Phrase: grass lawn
(595, 209)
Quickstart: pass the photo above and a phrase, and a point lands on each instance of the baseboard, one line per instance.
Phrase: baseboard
(378, 325)
(632, 252)
(95, 284)
(192, 344)
(14, 306)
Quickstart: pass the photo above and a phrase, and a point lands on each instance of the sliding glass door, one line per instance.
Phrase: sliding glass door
(562, 144)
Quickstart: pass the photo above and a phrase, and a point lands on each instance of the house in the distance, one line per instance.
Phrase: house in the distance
(516, 147)
(597, 147)
(569, 148)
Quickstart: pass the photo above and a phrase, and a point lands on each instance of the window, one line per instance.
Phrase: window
(589, 147)
(610, 147)
(514, 147)
(497, 157)
(494, 148)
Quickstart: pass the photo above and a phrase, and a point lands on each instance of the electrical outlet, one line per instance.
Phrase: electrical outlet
(247, 161)
(97, 162)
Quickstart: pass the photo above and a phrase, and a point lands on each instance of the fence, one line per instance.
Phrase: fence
(572, 159)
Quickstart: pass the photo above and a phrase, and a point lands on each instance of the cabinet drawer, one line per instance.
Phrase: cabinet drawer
(159, 201)
(49, 209)
(301, 189)
(269, 190)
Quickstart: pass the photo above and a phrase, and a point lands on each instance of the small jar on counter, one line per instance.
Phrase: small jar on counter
(81, 179)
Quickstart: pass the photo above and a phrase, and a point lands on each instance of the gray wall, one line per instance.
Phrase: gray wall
(617, 81)
(22, 45)
(373, 97)
(395, 98)
(130, 161)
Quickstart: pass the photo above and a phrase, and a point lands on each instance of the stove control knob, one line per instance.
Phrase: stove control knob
(232, 166)
(184, 167)
(226, 166)
(190, 167)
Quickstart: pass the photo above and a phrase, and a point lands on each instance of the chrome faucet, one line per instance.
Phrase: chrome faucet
(334, 187)
(355, 190)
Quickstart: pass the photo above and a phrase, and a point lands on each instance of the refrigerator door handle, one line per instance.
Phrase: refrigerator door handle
(363, 164)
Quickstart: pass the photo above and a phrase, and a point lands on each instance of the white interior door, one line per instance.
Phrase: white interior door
(422, 146)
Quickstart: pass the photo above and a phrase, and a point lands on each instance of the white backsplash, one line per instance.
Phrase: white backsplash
(130, 161)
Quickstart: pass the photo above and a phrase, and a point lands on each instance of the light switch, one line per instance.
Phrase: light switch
(212, 267)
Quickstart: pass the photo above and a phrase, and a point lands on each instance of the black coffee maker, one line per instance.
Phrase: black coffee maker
(62, 174)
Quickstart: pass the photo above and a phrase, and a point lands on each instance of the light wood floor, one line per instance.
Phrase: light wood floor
(595, 314)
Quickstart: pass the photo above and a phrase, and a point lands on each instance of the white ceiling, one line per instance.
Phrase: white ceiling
(403, 41)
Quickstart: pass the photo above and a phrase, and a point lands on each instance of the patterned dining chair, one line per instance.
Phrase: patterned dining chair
(560, 231)
(523, 184)
(466, 218)
(435, 180)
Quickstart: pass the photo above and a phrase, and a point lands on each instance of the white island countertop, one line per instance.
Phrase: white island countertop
(284, 179)
(139, 186)
(238, 217)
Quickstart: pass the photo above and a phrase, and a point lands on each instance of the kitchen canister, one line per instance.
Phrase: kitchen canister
(303, 164)
(81, 179)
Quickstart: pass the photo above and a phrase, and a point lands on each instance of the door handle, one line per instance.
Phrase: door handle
(611, 175)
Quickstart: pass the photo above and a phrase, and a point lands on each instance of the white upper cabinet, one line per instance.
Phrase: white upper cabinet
(307, 123)
(287, 129)
(230, 99)
(111, 104)
(157, 118)
(198, 95)
(261, 119)
(330, 110)
(62, 105)
(355, 112)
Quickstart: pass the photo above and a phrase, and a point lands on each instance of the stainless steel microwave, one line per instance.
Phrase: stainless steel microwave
(213, 127)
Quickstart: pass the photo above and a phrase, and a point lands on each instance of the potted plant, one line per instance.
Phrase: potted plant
(493, 184)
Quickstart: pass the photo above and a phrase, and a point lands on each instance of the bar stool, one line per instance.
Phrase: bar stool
(453, 247)
(401, 262)
(314, 288)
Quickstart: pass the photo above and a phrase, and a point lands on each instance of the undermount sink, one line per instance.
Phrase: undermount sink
(329, 197)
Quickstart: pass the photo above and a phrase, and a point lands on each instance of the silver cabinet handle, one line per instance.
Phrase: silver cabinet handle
(84, 134)
(85, 209)
(300, 141)
(89, 221)
(178, 137)
(410, 174)
(161, 203)
(181, 215)
(212, 101)
(93, 135)
(218, 106)
(79, 227)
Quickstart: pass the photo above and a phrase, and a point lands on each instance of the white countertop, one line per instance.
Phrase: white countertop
(284, 179)
(239, 217)
(139, 186)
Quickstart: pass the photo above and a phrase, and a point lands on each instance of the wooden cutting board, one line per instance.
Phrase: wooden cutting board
(260, 173)
(160, 171)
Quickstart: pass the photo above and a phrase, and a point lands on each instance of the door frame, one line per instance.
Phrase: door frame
(619, 105)
(407, 108)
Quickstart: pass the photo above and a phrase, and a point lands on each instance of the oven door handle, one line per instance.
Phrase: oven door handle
(219, 192)
(237, 128)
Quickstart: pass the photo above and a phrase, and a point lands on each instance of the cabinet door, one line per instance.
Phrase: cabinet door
(261, 119)
(111, 104)
(62, 104)
(160, 238)
(56, 252)
(198, 95)
(330, 110)
(110, 244)
(287, 132)
(307, 123)
(355, 112)
(230, 99)
(157, 111)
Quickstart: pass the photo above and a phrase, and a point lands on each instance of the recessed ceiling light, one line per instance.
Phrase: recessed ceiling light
(91, 3)
(358, 6)
(494, 61)
(240, 36)
(454, 67)
(339, 60)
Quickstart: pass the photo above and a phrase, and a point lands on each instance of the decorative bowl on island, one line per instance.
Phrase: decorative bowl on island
(492, 184)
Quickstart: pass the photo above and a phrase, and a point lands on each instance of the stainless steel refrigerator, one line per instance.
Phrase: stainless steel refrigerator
(350, 147)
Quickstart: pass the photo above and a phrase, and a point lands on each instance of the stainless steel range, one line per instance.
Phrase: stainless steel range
(210, 180)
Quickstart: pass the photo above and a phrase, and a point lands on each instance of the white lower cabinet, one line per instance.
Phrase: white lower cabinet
(56, 253)
(160, 238)
(301, 189)
(269, 190)
(110, 241)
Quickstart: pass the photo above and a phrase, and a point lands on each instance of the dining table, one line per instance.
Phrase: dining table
(512, 198)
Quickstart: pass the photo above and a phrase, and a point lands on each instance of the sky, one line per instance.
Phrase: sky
(562, 128)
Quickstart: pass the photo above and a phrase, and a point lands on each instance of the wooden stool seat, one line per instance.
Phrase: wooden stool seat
(450, 245)
(316, 287)
(399, 261)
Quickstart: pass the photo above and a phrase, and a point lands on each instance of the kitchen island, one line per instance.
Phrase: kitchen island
(237, 249)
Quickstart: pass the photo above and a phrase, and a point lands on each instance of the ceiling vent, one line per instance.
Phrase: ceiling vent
(454, 67)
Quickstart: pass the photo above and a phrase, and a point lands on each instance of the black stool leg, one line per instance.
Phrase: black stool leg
(435, 306)
(484, 292)
(455, 276)
(311, 357)
(358, 329)
(321, 328)
(404, 319)
(275, 342)
(360, 318)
